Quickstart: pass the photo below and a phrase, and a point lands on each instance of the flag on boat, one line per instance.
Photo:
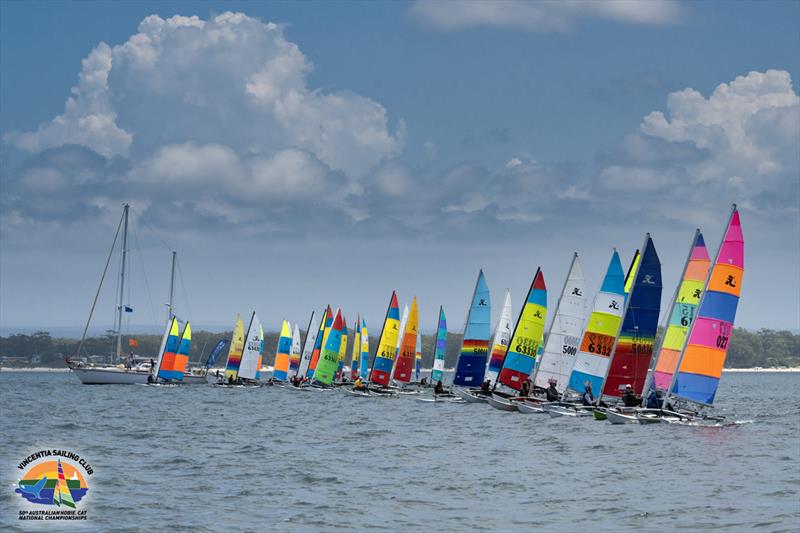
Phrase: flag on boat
(212, 357)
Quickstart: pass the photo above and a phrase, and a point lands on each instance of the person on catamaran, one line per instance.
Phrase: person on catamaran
(588, 397)
(552, 392)
(359, 385)
(629, 399)
(656, 401)
(423, 382)
(486, 387)
(526, 389)
(439, 388)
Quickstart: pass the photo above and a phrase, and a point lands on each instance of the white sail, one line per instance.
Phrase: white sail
(502, 336)
(308, 348)
(251, 354)
(295, 348)
(403, 321)
(564, 337)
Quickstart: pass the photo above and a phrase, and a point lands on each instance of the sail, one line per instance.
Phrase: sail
(61, 493)
(167, 358)
(253, 346)
(440, 348)
(563, 340)
(329, 360)
(308, 347)
(631, 357)
(342, 350)
(408, 347)
(471, 364)
(502, 336)
(682, 312)
(418, 358)
(260, 359)
(384, 355)
(182, 354)
(294, 355)
(235, 351)
(403, 321)
(598, 339)
(327, 320)
(700, 366)
(631, 269)
(356, 354)
(364, 360)
(281, 369)
(527, 337)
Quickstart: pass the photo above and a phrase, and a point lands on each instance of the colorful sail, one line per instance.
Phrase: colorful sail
(418, 358)
(471, 365)
(527, 336)
(700, 365)
(323, 325)
(385, 353)
(598, 339)
(502, 336)
(308, 346)
(182, 355)
(294, 355)
(281, 371)
(564, 337)
(61, 493)
(356, 354)
(235, 351)
(342, 350)
(400, 335)
(404, 366)
(440, 348)
(682, 312)
(329, 359)
(167, 359)
(250, 366)
(630, 359)
(364, 359)
(631, 269)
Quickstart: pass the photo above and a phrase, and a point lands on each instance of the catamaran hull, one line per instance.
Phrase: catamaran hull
(618, 418)
(530, 408)
(468, 396)
(502, 404)
(560, 410)
(110, 376)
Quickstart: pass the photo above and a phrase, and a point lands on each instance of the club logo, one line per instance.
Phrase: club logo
(53, 483)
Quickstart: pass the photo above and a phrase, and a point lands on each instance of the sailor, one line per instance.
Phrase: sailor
(629, 399)
(423, 382)
(439, 389)
(486, 387)
(526, 388)
(552, 392)
(655, 399)
(358, 385)
(588, 397)
(129, 361)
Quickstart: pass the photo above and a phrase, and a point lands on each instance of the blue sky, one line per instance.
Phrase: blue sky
(423, 141)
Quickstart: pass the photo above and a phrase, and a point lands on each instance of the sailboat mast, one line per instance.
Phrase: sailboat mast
(120, 305)
(170, 305)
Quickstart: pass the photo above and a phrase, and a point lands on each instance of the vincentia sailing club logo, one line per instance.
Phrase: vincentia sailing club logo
(56, 479)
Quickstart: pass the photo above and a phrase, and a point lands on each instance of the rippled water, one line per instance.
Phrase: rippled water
(209, 458)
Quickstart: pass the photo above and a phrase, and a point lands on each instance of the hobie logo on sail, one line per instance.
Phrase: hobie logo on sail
(56, 479)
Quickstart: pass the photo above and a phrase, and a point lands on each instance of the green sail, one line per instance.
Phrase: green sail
(329, 358)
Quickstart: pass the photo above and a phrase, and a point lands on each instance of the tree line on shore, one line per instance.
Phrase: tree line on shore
(762, 348)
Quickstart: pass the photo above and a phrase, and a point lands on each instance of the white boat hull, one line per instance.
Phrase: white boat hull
(110, 376)
(498, 402)
(615, 417)
(530, 408)
(562, 410)
(468, 396)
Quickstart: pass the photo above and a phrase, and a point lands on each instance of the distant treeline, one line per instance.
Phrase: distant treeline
(764, 348)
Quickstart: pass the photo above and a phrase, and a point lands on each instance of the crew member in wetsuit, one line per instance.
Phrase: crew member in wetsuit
(526, 389)
(359, 385)
(629, 399)
(439, 388)
(588, 397)
(552, 392)
(486, 387)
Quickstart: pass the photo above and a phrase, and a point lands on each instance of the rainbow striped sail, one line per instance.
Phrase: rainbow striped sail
(342, 349)
(364, 360)
(294, 356)
(356, 356)
(598, 339)
(700, 365)
(502, 336)
(182, 355)
(440, 350)
(384, 355)
(408, 347)
(682, 312)
(564, 337)
(61, 492)
(527, 337)
(235, 351)
(167, 359)
(325, 323)
(631, 357)
(329, 360)
(418, 358)
(471, 364)
(281, 371)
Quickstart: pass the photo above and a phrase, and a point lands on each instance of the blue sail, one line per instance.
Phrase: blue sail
(471, 365)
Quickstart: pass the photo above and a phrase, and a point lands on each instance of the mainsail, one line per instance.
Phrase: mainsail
(700, 365)
(597, 343)
(682, 312)
(527, 337)
(342, 349)
(167, 358)
(182, 355)
(356, 354)
(502, 336)
(235, 351)
(418, 358)
(61, 493)
(384, 354)
(364, 360)
(630, 359)
(564, 336)
(281, 369)
(329, 360)
(327, 320)
(408, 346)
(294, 356)
(440, 348)
(471, 365)
(308, 345)
(253, 347)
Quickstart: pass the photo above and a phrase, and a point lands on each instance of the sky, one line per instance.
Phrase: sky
(300, 154)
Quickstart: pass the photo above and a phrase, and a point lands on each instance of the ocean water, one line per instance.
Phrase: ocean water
(271, 459)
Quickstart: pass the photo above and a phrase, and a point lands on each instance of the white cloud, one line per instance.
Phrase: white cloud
(541, 15)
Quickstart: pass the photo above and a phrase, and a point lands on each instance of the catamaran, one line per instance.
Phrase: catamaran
(385, 352)
(246, 353)
(471, 365)
(324, 325)
(327, 365)
(524, 347)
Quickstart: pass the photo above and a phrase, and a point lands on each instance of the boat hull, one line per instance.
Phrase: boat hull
(110, 376)
(530, 408)
(616, 417)
(498, 402)
(468, 396)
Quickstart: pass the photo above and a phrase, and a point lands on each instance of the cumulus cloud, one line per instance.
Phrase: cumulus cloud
(542, 15)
